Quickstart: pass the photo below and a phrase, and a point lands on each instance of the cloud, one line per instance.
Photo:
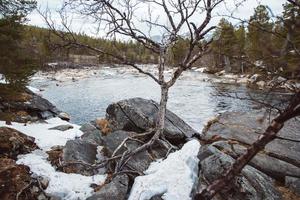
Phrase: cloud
(80, 24)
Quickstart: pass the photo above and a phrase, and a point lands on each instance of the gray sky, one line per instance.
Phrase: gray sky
(83, 25)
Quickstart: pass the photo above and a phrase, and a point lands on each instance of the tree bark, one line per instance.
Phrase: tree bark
(162, 109)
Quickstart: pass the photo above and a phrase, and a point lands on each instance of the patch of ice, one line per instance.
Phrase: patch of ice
(173, 177)
(66, 186)
(44, 137)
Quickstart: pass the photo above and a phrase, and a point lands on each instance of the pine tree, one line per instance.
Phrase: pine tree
(225, 45)
(259, 44)
(291, 44)
(15, 66)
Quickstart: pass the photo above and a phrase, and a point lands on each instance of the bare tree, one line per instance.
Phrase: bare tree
(179, 19)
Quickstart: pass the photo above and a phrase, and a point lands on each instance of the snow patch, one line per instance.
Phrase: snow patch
(66, 186)
(173, 177)
(44, 137)
(33, 89)
(3, 80)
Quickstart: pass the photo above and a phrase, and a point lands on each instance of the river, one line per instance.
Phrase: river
(86, 97)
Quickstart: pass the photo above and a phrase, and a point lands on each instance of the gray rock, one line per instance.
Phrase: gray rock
(64, 116)
(293, 183)
(62, 127)
(116, 189)
(114, 139)
(79, 150)
(38, 103)
(157, 197)
(247, 127)
(35, 106)
(251, 184)
(139, 114)
(140, 161)
(91, 134)
(269, 165)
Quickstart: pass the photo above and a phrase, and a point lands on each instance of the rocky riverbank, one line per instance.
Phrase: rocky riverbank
(263, 82)
(228, 136)
(60, 160)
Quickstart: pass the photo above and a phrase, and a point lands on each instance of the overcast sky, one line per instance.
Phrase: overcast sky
(80, 24)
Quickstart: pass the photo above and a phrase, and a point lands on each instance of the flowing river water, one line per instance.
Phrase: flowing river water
(85, 94)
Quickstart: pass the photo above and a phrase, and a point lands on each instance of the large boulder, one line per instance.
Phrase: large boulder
(139, 162)
(13, 143)
(236, 131)
(116, 189)
(269, 165)
(251, 184)
(139, 115)
(31, 106)
(79, 151)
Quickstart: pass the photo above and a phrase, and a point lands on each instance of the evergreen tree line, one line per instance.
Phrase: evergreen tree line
(259, 45)
(49, 47)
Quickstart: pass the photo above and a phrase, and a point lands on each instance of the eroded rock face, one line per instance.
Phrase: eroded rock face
(269, 165)
(116, 189)
(280, 158)
(251, 184)
(139, 114)
(13, 143)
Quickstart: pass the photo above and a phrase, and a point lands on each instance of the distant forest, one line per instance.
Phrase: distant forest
(259, 44)
(247, 47)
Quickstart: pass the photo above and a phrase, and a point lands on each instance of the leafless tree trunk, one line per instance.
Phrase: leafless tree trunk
(118, 18)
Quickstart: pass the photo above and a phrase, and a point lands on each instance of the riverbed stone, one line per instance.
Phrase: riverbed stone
(251, 184)
(13, 143)
(139, 115)
(116, 189)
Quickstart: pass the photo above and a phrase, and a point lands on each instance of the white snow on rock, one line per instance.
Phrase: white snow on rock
(66, 186)
(44, 137)
(33, 89)
(3, 80)
(62, 185)
(173, 177)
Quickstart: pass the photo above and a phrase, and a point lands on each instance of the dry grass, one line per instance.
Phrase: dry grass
(287, 194)
(103, 125)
